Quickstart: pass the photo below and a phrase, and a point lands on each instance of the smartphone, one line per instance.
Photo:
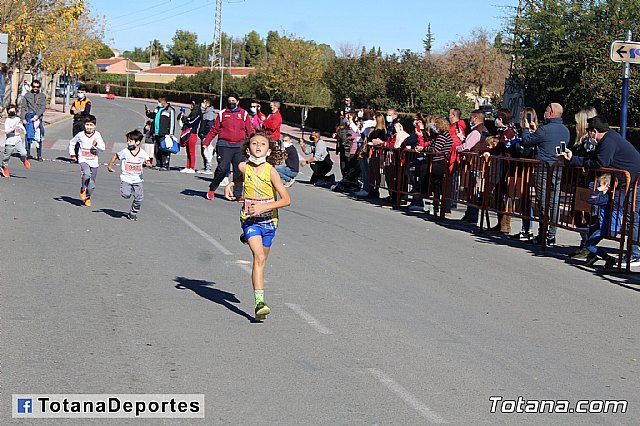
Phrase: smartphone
(457, 127)
(558, 152)
(529, 118)
(563, 146)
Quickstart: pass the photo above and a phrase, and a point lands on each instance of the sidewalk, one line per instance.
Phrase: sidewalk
(52, 114)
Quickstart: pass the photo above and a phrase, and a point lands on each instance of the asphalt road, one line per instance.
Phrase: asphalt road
(378, 316)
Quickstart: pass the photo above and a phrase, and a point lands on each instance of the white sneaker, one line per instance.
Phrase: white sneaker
(225, 181)
(206, 172)
(189, 171)
(361, 193)
(291, 182)
(183, 170)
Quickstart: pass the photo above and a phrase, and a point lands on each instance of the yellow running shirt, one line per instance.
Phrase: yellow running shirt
(258, 189)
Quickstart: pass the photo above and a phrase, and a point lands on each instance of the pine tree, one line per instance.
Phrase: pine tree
(428, 41)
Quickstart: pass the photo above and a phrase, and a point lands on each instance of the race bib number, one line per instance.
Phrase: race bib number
(134, 168)
(249, 201)
(87, 153)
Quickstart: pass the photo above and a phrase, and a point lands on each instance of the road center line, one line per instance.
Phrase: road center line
(309, 319)
(406, 396)
(203, 234)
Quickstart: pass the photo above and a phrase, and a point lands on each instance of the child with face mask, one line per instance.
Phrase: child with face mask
(259, 214)
(13, 129)
(90, 142)
(132, 158)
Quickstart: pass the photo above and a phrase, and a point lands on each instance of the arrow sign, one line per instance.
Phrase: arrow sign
(625, 51)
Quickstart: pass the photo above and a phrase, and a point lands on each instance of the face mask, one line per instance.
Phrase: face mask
(360, 114)
(12, 113)
(257, 160)
(89, 129)
(159, 105)
(433, 127)
(132, 147)
(81, 95)
(389, 119)
(231, 105)
(203, 106)
(287, 144)
(254, 110)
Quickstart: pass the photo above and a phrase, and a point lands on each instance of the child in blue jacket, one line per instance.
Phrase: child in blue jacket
(609, 221)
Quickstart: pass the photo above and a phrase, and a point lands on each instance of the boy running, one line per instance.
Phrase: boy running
(132, 159)
(12, 128)
(90, 143)
(259, 215)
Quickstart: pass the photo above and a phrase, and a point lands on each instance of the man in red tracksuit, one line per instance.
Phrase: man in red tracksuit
(273, 122)
(233, 127)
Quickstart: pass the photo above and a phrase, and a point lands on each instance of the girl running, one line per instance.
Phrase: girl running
(259, 214)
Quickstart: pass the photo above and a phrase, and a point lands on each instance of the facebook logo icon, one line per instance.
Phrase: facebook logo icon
(24, 405)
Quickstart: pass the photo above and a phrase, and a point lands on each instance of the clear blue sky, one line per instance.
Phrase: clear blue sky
(391, 25)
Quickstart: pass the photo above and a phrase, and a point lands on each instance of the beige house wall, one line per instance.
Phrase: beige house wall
(155, 78)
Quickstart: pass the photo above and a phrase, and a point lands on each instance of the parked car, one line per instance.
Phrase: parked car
(61, 90)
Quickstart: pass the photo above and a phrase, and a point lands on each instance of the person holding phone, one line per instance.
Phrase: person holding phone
(546, 138)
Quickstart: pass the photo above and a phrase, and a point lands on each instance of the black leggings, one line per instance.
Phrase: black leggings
(227, 156)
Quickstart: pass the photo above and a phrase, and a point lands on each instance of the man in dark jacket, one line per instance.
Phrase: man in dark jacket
(546, 138)
(612, 151)
(232, 126)
(164, 120)
(36, 103)
(208, 117)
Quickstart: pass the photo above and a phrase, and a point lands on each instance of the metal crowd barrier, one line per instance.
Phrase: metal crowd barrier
(526, 189)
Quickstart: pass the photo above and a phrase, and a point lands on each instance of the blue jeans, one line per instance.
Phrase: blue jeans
(286, 174)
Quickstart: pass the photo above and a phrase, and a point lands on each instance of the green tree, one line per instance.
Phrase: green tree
(561, 51)
(363, 78)
(428, 41)
(184, 50)
(138, 54)
(272, 38)
(103, 52)
(293, 69)
(254, 50)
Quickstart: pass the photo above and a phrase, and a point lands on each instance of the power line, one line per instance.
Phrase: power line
(135, 12)
(137, 25)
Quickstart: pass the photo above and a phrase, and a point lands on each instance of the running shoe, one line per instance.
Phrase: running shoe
(27, 164)
(4, 171)
(87, 202)
(262, 311)
(83, 194)
(211, 195)
(291, 182)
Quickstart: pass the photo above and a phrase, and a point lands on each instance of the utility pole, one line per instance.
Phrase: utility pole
(216, 49)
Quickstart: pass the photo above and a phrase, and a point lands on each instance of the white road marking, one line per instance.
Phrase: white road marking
(203, 234)
(406, 396)
(309, 319)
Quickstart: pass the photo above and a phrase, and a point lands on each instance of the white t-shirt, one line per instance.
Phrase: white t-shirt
(132, 165)
(88, 152)
(12, 128)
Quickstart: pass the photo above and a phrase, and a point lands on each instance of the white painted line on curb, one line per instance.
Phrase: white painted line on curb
(203, 234)
(309, 319)
(406, 396)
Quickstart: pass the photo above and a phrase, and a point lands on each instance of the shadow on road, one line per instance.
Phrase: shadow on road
(74, 201)
(194, 193)
(206, 290)
(113, 213)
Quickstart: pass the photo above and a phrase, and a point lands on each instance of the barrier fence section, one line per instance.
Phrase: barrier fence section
(633, 235)
(512, 188)
(531, 190)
